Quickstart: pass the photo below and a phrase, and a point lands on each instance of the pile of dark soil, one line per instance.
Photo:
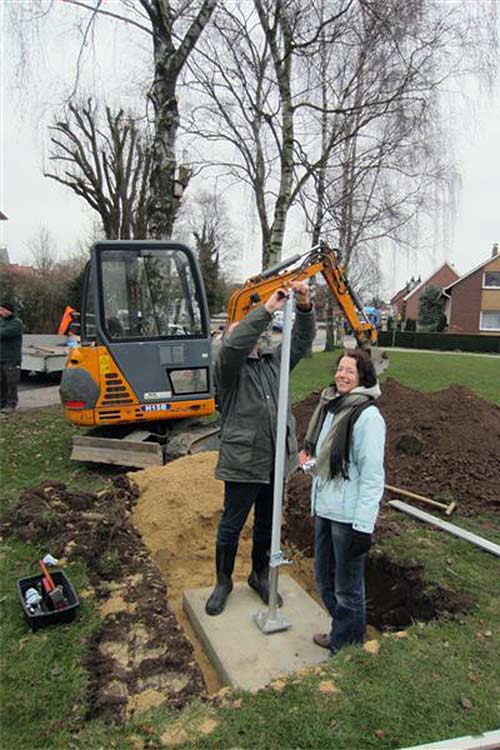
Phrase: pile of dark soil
(139, 656)
(442, 445)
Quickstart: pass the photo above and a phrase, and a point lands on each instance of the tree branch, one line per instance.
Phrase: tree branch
(98, 10)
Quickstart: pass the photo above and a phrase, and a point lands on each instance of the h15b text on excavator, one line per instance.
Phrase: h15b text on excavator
(141, 377)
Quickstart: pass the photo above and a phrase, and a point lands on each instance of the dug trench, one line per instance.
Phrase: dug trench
(149, 536)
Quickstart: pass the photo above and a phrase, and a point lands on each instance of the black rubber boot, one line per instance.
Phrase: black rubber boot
(224, 563)
(258, 579)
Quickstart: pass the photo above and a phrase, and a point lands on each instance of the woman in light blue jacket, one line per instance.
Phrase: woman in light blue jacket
(345, 442)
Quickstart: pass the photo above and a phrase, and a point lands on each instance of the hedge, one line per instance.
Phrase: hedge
(463, 342)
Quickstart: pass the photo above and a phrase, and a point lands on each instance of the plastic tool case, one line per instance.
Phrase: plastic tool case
(38, 620)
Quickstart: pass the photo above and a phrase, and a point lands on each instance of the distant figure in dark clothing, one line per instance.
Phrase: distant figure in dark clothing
(11, 339)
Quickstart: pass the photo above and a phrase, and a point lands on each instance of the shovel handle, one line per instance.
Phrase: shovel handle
(47, 575)
(399, 491)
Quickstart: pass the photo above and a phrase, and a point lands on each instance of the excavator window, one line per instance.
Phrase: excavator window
(149, 294)
(189, 381)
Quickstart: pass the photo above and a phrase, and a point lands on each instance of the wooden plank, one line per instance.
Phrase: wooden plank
(468, 536)
(486, 741)
(103, 443)
(119, 452)
(116, 457)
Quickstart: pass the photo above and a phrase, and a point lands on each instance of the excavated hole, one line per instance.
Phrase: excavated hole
(398, 597)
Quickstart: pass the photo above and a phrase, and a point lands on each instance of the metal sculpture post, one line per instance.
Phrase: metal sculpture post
(271, 620)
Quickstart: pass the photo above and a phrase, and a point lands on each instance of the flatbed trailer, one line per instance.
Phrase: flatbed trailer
(44, 352)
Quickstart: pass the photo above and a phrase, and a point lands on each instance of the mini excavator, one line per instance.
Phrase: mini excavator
(141, 377)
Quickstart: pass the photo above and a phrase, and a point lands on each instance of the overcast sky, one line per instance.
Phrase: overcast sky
(32, 201)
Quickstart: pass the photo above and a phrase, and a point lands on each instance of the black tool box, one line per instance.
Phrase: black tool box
(48, 616)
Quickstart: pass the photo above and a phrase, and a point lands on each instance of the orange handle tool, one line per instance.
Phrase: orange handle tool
(47, 575)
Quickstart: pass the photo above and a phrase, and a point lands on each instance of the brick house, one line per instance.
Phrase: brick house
(473, 301)
(443, 277)
(396, 302)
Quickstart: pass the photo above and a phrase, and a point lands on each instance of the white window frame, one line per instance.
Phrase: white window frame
(481, 326)
(490, 286)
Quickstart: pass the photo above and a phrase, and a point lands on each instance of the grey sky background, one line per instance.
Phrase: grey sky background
(32, 201)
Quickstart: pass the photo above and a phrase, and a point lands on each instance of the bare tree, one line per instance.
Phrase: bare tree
(43, 251)
(43, 289)
(270, 114)
(373, 115)
(205, 219)
(173, 29)
(107, 164)
(250, 101)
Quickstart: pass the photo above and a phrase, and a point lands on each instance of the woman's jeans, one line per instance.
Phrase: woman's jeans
(341, 582)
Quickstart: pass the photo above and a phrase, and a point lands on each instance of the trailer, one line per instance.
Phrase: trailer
(44, 352)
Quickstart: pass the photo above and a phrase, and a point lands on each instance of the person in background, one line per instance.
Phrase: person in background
(72, 339)
(11, 339)
(344, 448)
(247, 375)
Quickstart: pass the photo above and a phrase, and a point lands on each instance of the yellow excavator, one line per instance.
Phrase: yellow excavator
(141, 377)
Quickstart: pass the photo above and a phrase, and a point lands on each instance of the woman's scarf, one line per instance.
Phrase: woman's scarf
(333, 456)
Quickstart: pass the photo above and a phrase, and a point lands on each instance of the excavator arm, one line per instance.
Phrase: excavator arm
(321, 259)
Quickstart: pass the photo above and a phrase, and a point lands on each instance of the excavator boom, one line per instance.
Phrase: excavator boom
(321, 259)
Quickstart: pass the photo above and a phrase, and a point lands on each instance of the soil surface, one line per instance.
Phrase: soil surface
(150, 536)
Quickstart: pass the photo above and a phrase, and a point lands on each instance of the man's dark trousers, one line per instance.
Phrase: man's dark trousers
(239, 497)
(10, 374)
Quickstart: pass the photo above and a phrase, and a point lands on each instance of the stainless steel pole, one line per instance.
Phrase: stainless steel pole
(271, 620)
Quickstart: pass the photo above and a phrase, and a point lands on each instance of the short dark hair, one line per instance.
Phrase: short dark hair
(364, 365)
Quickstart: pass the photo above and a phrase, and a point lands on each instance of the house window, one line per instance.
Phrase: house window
(491, 280)
(490, 320)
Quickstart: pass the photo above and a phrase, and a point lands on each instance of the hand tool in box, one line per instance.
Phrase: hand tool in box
(55, 594)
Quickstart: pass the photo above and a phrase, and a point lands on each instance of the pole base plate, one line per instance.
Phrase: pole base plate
(271, 625)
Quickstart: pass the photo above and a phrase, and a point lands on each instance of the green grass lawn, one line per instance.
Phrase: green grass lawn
(439, 681)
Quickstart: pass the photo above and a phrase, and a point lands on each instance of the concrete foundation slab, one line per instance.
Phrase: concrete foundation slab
(245, 657)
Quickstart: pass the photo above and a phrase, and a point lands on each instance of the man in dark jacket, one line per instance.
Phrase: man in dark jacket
(11, 338)
(247, 380)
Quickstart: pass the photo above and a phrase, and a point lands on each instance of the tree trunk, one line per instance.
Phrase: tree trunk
(168, 64)
(282, 61)
(164, 159)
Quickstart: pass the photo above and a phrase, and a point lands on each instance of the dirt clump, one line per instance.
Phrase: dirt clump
(459, 434)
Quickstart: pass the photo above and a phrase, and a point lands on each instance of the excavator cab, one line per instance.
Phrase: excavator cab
(145, 350)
